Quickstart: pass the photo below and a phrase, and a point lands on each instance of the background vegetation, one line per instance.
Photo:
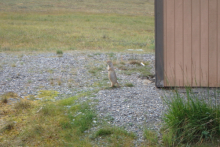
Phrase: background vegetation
(59, 25)
(30, 25)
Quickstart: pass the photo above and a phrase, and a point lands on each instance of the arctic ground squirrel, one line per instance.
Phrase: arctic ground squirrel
(111, 74)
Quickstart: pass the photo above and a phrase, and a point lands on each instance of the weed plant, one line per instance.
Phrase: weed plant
(104, 132)
(191, 119)
(4, 99)
(129, 85)
(59, 52)
(151, 137)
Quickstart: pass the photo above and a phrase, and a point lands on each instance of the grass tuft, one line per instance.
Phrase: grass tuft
(104, 132)
(4, 99)
(7, 127)
(13, 65)
(10, 95)
(23, 104)
(59, 52)
(96, 70)
(151, 137)
(134, 62)
(59, 82)
(7, 95)
(191, 120)
(129, 85)
(113, 136)
(48, 110)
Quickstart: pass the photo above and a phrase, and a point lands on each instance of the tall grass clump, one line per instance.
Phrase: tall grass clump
(191, 119)
(151, 137)
(4, 99)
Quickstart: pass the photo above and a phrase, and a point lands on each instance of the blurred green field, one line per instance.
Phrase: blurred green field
(43, 25)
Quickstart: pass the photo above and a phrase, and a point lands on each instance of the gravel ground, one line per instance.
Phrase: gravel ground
(132, 108)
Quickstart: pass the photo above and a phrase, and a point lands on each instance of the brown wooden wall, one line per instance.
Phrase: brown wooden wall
(191, 43)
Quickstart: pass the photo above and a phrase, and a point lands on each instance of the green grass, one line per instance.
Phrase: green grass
(114, 136)
(191, 120)
(58, 123)
(59, 52)
(34, 29)
(47, 123)
(96, 70)
(129, 85)
(84, 120)
(151, 137)
(104, 132)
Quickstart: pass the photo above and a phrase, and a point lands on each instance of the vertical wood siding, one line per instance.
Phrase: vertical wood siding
(187, 42)
(170, 38)
(204, 42)
(191, 43)
(213, 43)
(178, 44)
(165, 42)
(219, 43)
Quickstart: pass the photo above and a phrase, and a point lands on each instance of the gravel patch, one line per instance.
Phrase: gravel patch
(133, 108)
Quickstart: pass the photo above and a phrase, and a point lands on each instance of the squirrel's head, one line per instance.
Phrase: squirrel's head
(109, 62)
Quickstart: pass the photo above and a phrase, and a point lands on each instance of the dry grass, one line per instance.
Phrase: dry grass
(22, 104)
(8, 126)
(45, 123)
(4, 98)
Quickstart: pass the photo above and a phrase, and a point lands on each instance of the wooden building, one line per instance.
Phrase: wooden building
(187, 43)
